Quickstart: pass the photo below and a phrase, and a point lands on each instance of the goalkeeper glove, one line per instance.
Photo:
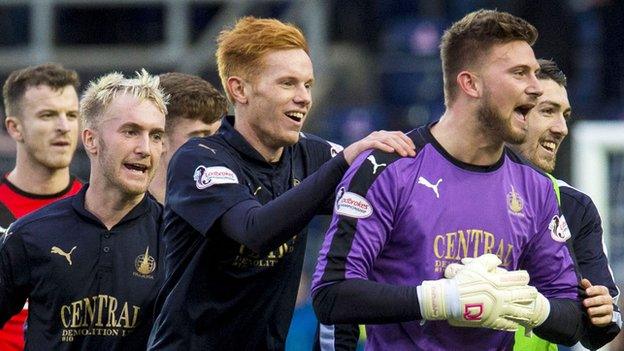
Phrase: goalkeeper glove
(536, 311)
(480, 295)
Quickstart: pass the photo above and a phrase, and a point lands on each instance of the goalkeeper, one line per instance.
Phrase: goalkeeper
(399, 222)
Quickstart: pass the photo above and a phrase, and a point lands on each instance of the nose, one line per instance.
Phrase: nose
(144, 145)
(63, 123)
(534, 89)
(303, 95)
(560, 126)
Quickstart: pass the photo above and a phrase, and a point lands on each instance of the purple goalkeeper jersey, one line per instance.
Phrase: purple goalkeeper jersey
(401, 221)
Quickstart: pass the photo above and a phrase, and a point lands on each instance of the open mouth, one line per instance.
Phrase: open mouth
(550, 146)
(523, 110)
(136, 167)
(295, 116)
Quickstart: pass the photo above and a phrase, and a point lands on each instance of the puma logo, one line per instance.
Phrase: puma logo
(258, 189)
(376, 165)
(209, 148)
(59, 251)
(425, 182)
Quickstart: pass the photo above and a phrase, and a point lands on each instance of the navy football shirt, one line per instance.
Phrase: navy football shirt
(89, 288)
(219, 294)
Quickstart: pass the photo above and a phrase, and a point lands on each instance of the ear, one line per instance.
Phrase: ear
(470, 84)
(14, 127)
(90, 141)
(238, 89)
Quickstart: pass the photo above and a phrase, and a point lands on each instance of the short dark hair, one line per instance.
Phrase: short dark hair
(550, 70)
(51, 74)
(191, 97)
(469, 39)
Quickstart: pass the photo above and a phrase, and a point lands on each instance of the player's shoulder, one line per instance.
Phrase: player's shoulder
(54, 214)
(314, 144)
(572, 194)
(206, 150)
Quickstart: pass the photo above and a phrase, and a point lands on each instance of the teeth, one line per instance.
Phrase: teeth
(549, 145)
(298, 115)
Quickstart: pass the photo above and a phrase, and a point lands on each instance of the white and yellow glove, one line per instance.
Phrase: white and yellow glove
(530, 314)
(478, 294)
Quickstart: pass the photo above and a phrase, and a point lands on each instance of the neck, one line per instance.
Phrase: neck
(270, 153)
(108, 203)
(460, 133)
(159, 183)
(32, 177)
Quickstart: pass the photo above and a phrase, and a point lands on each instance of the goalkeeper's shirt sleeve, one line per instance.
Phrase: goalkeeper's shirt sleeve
(366, 302)
(562, 325)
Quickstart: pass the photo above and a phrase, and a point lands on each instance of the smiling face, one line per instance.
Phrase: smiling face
(129, 144)
(48, 125)
(510, 90)
(279, 98)
(547, 126)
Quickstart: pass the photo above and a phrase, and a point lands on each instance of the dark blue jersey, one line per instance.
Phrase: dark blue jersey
(89, 288)
(229, 289)
(588, 249)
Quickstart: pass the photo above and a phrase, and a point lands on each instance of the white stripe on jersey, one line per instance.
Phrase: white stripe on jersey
(327, 337)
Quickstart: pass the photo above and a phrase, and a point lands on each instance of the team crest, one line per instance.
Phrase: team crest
(145, 265)
(559, 230)
(514, 201)
(206, 177)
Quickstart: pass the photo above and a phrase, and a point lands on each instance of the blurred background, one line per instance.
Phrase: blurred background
(376, 65)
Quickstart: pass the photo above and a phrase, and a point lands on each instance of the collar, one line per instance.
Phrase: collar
(240, 144)
(426, 134)
(78, 203)
(25, 193)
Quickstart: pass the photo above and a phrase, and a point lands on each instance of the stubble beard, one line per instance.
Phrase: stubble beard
(107, 164)
(496, 125)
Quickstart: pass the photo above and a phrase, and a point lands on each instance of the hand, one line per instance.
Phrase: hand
(382, 140)
(598, 303)
(482, 295)
(531, 314)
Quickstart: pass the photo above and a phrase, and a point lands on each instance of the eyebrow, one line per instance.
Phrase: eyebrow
(556, 105)
(137, 126)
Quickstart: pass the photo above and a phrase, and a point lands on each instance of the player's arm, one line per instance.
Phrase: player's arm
(14, 275)
(604, 321)
(256, 226)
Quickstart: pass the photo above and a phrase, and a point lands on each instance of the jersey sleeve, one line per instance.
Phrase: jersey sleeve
(362, 220)
(14, 275)
(202, 184)
(547, 259)
(588, 245)
(588, 249)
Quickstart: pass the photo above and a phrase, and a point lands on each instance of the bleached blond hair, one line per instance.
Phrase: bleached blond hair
(98, 97)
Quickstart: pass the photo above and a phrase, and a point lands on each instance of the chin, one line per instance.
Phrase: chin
(290, 139)
(134, 189)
